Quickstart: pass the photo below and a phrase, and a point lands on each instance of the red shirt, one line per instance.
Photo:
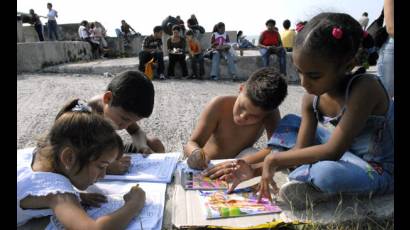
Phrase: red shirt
(270, 38)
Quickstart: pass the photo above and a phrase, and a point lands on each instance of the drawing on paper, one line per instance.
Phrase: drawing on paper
(195, 180)
(219, 204)
(154, 168)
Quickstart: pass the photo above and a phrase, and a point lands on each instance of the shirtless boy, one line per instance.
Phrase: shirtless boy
(230, 125)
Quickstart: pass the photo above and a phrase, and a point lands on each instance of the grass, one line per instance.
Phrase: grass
(368, 222)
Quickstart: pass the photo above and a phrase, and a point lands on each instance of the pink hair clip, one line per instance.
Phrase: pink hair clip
(337, 33)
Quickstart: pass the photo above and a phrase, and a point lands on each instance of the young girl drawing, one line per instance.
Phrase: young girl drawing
(357, 157)
(74, 154)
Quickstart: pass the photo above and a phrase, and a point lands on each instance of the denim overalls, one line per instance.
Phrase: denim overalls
(367, 166)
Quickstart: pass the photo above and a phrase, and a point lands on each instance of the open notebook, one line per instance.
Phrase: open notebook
(156, 167)
(151, 215)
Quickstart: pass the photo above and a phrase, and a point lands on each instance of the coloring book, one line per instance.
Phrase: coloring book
(219, 204)
(195, 181)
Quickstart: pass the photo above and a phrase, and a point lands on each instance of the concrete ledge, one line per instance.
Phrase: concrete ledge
(245, 66)
(34, 56)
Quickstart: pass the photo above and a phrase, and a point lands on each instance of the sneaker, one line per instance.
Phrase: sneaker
(235, 78)
(214, 78)
(162, 77)
(301, 195)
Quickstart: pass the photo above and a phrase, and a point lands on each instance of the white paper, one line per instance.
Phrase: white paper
(151, 215)
(157, 167)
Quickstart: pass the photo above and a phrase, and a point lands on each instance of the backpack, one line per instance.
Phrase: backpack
(378, 31)
(149, 69)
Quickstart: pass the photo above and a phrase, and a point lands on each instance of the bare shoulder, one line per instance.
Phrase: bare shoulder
(366, 85)
(307, 101)
(221, 102)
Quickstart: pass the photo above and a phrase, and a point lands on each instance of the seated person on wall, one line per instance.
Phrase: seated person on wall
(176, 52)
(128, 99)
(152, 48)
(196, 56)
(97, 34)
(270, 43)
(220, 45)
(84, 35)
(229, 126)
(125, 31)
(288, 36)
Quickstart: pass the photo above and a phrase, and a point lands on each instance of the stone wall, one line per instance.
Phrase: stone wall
(33, 56)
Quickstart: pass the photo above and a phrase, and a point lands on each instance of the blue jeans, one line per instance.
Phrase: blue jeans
(385, 65)
(280, 52)
(216, 59)
(52, 30)
(350, 174)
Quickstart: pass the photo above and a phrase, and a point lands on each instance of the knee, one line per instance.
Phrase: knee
(324, 175)
(156, 145)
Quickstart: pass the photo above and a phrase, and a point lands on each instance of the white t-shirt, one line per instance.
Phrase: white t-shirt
(52, 14)
(82, 32)
(30, 183)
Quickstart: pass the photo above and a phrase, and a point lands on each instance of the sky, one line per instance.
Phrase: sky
(246, 15)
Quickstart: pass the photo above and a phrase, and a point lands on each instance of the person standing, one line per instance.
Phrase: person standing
(385, 62)
(38, 26)
(364, 20)
(288, 36)
(52, 22)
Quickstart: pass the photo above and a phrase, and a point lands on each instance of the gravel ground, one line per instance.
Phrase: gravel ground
(178, 104)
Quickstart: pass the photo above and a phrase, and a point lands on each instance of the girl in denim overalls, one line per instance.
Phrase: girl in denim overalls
(357, 157)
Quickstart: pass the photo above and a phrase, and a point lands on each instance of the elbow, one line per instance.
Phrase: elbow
(390, 30)
(333, 152)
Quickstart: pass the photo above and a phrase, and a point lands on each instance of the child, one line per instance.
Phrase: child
(176, 52)
(271, 43)
(152, 48)
(129, 98)
(195, 53)
(220, 44)
(74, 155)
(231, 124)
(358, 156)
(288, 36)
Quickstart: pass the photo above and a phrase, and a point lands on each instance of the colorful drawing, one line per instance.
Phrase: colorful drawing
(195, 180)
(219, 204)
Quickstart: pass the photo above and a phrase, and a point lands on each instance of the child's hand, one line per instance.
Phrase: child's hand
(135, 197)
(145, 150)
(198, 159)
(267, 181)
(92, 199)
(219, 169)
(120, 166)
(237, 172)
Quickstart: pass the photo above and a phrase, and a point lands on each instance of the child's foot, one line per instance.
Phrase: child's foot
(301, 195)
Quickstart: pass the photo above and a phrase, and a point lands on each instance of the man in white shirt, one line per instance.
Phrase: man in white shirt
(52, 23)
